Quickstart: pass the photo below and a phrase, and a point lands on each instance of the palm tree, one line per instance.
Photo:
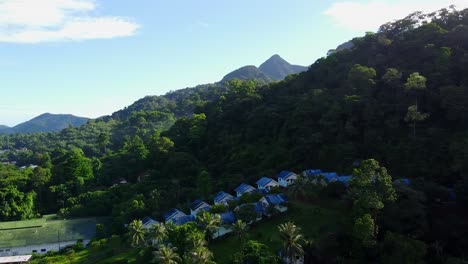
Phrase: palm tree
(158, 233)
(166, 255)
(209, 222)
(240, 228)
(137, 233)
(292, 239)
(200, 255)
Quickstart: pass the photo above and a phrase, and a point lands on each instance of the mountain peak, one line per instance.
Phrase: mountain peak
(278, 68)
(275, 58)
(273, 69)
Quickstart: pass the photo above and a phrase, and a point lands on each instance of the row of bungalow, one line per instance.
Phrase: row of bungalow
(264, 186)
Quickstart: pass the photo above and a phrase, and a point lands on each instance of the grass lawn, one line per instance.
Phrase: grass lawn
(46, 230)
(316, 221)
(112, 252)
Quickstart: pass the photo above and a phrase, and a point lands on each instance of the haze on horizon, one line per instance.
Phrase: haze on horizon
(90, 58)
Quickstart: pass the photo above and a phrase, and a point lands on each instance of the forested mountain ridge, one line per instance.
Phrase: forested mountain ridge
(46, 123)
(273, 69)
(398, 95)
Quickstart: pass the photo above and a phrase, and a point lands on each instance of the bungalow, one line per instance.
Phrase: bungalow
(223, 198)
(172, 215)
(329, 176)
(266, 184)
(227, 218)
(286, 178)
(148, 222)
(183, 219)
(244, 188)
(310, 173)
(274, 201)
(198, 206)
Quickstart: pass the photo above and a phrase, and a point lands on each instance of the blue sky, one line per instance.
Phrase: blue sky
(93, 57)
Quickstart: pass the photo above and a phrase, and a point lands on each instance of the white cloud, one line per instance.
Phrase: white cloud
(35, 21)
(370, 15)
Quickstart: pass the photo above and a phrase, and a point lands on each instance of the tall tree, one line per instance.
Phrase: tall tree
(158, 233)
(413, 116)
(371, 187)
(210, 223)
(292, 239)
(240, 229)
(416, 83)
(167, 255)
(137, 233)
(200, 255)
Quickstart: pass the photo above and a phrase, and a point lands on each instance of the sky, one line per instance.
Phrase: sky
(93, 57)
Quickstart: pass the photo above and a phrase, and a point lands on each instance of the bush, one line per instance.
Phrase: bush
(78, 246)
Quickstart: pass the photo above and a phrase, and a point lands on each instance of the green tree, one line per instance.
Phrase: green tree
(137, 233)
(370, 188)
(240, 229)
(166, 255)
(362, 77)
(200, 255)
(416, 83)
(255, 252)
(398, 248)
(246, 213)
(16, 205)
(392, 75)
(210, 223)
(292, 240)
(104, 141)
(413, 116)
(158, 234)
(204, 183)
(364, 230)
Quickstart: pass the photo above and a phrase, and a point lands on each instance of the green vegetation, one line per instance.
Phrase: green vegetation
(398, 95)
(317, 222)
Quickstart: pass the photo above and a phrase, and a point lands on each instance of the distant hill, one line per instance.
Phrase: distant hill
(248, 73)
(274, 69)
(45, 123)
(277, 68)
(182, 102)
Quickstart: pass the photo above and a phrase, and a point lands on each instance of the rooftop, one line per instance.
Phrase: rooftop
(243, 188)
(222, 195)
(198, 204)
(285, 174)
(15, 259)
(264, 181)
(172, 213)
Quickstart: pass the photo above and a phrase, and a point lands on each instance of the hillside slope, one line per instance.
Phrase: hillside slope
(46, 123)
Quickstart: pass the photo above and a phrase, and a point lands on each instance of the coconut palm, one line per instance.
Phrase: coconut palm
(209, 222)
(158, 233)
(137, 233)
(200, 255)
(292, 239)
(240, 229)
(166, 255)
